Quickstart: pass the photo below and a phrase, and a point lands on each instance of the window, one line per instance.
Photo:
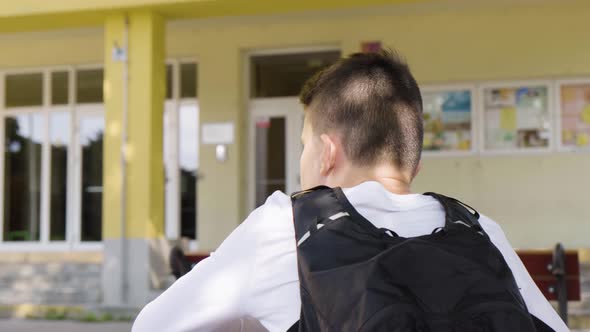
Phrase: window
(270, 151)
(59, 87)
(59, 140)
(188, 80)
(447, 119)
(284, 75)
(181, 150)
(22, 176)
(91, 145)
(169, 82)
(89, 85)
(188, 164)
(40, 200)
(23, 90)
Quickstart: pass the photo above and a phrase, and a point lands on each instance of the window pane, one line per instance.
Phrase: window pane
(188, 80)
(59, 88)
(284, 75)
(22, 176)
(447, 120)
(168, 81)
(59, 140)
(24, 90)
(188, 162)
(270, 157)
(91, 141)
(89, 86)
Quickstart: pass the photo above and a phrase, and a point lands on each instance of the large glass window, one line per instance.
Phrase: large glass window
(91, 142)
(23, 90)
(22, 176)
(284, 75)
(188, 163)
(59, 142)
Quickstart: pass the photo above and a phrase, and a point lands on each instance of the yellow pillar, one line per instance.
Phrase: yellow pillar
(136, 86)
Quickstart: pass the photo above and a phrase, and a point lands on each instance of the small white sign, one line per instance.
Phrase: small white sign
(218, 133)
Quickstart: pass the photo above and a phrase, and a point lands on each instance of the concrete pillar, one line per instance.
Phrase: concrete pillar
(133, 225)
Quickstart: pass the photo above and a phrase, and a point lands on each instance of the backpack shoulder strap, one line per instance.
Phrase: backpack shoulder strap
(311, 207)
(457, 212)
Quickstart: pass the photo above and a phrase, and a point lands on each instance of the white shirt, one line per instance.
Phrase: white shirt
(252, 277)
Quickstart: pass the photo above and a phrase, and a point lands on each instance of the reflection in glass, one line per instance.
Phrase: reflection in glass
(168, 81)
(188, 163)
(283, 75)
(89, 85)
(59, 88)
(59, 140)
(22, 176)
(188, 80)
(91, 141)
(24, 90)
(270, 157)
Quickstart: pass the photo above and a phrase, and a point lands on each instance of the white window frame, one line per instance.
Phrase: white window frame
(472, 88)
(73, 220)
(559, 129)
(549, 84)
(171, 161)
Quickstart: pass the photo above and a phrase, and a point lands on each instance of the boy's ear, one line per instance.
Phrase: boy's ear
(328, 155)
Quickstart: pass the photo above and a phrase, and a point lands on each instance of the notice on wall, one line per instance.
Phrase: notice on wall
(218, 133)
(516, 118)
(447, 120)
(575, 116)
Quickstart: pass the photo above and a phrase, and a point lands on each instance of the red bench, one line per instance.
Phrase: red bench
(556, 273)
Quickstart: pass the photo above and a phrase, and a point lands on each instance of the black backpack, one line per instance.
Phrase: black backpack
(356, 277)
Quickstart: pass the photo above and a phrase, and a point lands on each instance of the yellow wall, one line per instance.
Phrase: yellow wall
(537, 199)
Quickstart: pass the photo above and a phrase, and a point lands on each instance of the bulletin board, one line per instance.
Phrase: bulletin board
(574, 104)
(448, 119)
(516, 117)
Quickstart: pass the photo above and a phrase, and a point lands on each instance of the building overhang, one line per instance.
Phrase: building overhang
(34, 15)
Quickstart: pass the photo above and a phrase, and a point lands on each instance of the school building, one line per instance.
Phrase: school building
(126, 125)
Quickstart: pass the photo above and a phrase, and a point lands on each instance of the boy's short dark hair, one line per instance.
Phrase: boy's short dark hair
(374, 102)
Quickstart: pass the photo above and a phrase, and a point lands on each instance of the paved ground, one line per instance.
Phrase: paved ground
(17, 325)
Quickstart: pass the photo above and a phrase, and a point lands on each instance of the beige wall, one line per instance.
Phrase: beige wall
(538, 199)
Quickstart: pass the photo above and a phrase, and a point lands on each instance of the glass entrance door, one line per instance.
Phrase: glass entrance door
(275, 130)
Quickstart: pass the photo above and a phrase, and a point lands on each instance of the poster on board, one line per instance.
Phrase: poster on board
(575, 116)
(447, 120)
(516, 118)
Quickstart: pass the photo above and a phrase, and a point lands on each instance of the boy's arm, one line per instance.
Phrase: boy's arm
(211, 294)
(536, 302)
